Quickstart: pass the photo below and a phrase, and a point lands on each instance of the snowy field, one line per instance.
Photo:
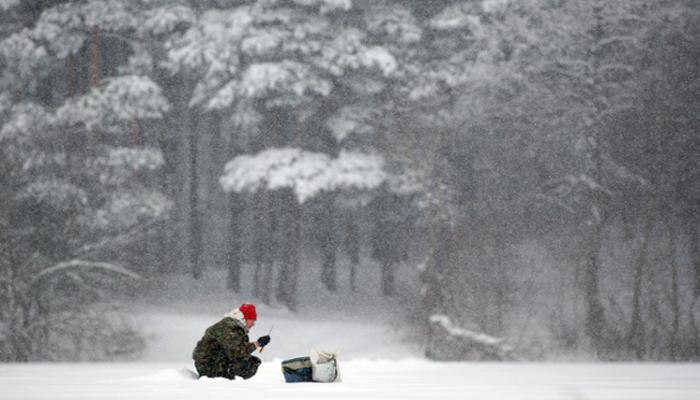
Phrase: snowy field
(362, 379)
(376, 360)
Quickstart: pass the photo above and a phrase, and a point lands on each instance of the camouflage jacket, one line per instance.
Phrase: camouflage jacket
(226, 339)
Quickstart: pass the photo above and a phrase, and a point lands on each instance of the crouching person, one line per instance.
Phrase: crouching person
(225, 350)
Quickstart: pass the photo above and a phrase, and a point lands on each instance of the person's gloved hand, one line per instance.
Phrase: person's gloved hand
(263, 340)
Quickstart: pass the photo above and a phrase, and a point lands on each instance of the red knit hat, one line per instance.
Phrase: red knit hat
(248, 311)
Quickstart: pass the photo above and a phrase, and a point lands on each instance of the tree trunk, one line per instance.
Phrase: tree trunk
(95, 56)
(675, 296)
(289, 250)
(434, 278)
(72, 75)
(386, 240)
(95, 72)
(328, 246)
(388, 281)
(269, 255)
(233, 280)
(636, 336)
(694, 244)
(261, 240)
(194, 218)
(182, 122)
(263, 246)
(215, 219)
(595, 317)
(352, 243)
(436, 274)
(502, 287)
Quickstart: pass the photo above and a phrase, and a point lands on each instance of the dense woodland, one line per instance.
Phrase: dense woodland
(536, 160)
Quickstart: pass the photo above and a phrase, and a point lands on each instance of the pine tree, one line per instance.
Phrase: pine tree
(74, 199)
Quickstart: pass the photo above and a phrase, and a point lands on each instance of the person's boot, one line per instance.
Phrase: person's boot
(248, 367)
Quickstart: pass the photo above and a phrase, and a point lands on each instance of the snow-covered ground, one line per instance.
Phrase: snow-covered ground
(362, 379)
(376, 360)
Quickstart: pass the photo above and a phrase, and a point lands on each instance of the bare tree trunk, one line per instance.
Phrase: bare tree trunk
(96, 56)
(216, 205)
(385, 240)
(388, 281)
(96, 71)
(694, 328)
(437, 271)
(502, 287)
(436, 276)
(352, 243)
(270, 255)
(328, 246)
(72, 75)
(261, 240)
(182, 185)
(195, 223)
(595, 317)
(694, 244)
(293, 278)
(675, 295)
(263, 246)
(233, 280)
(636, 336)
(289, 250)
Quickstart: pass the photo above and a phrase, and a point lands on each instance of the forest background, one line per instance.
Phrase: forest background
(535, 162)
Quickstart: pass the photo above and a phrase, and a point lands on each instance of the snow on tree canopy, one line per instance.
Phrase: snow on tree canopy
(25, 119)
(494, 5)
(407, 182)
(327, 5)
(120, 164)
(61, 29)
(140, 62)
(274, 169)
(7, 4)
(393, 20)
(210, 44)
(210, 48)
(307, 173)
(263, 41)
(259, 79)
(347, 51)
(262, 79)
(354, 170)
(166, 19)
(64, 28)
(5, 102)
(350, 120)
(458, 16)
(123, 98)
(377, 56)
(111, 15)
(128, 208)
(20, 55)
(56, 193)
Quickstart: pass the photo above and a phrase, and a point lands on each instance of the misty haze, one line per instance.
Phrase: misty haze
(483, 199)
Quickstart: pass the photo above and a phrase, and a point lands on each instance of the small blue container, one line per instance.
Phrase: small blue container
(297, 370)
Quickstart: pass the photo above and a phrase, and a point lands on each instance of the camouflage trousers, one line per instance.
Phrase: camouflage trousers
(245, 367)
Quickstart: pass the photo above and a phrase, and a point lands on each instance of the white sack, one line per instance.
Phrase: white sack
(324, 366)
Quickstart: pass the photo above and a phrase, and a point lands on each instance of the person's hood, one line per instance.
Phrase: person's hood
(237, 315)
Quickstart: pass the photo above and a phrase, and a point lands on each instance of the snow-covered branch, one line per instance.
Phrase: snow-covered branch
(450, 342)
(307, 173)
(124, 98)
(83, 265)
